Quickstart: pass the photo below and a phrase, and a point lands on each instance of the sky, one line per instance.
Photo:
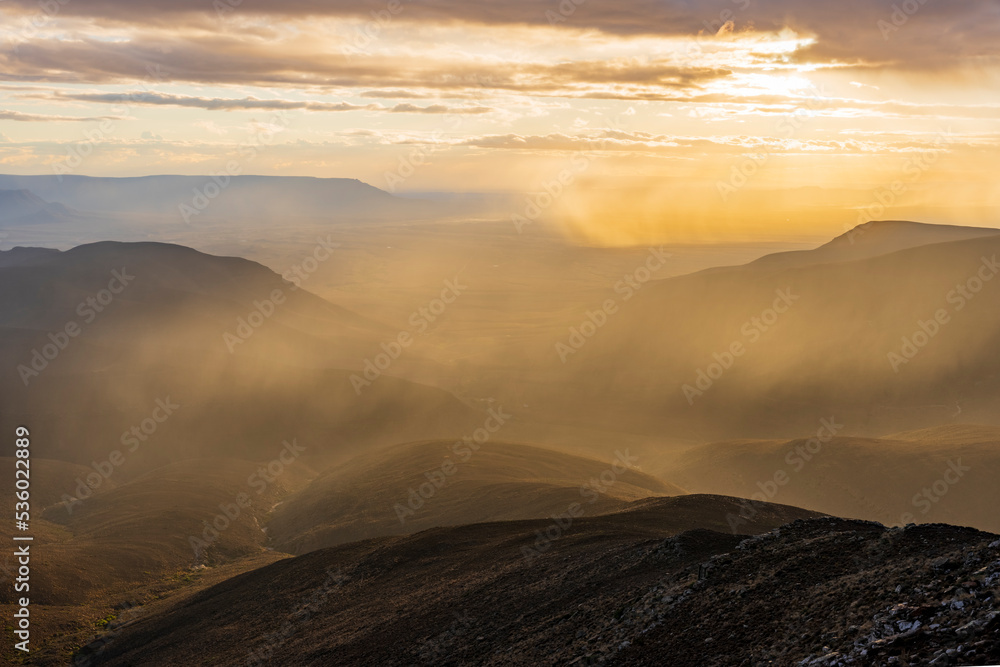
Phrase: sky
(761, 116)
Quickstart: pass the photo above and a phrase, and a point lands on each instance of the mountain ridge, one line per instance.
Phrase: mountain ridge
(251, 198)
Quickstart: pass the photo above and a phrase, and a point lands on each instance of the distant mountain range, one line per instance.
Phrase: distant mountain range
(891, 326)
(943, 474)
(851, 342)
(22, 207)
(98, 333)
(194, 199)
(873, 239)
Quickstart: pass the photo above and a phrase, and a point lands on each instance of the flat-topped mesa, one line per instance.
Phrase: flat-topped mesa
(891, 235)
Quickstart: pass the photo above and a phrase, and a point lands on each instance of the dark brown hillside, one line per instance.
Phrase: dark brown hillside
(641, 587)
(489, 593)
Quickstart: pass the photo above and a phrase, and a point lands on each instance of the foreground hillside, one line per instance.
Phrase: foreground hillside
(421, 485)
(523, 591)
(830, 592)
(664, 582)
(97, 551)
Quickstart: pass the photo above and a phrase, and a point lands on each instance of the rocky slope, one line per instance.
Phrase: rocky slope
(631, 588)
(828, 592)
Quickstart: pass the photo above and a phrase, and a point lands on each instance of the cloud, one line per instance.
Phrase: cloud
(936, 35)
(723, 70)
(249, 103)
(817, 104)
(397, 94)
(439, 108)
(210, 103)
(43, 118)
(645, 142)
(227, 59)
(212, 127)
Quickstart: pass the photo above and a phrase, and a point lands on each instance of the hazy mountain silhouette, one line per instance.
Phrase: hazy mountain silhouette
(180, 329)
(875, 238)
(412, 487)
(238, 198)
(857, 339)
(23, 207)
(923, 477)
